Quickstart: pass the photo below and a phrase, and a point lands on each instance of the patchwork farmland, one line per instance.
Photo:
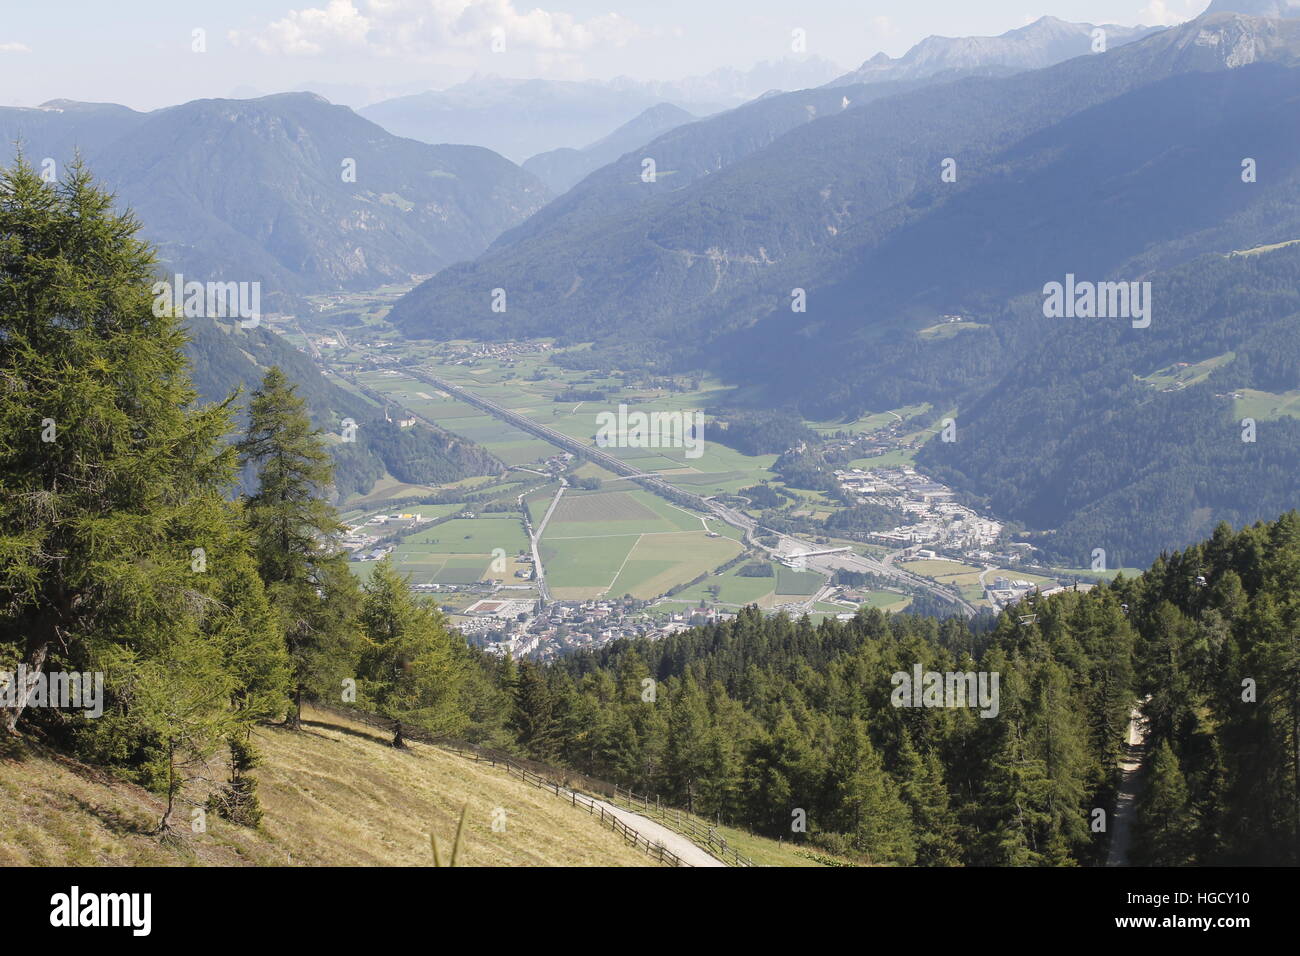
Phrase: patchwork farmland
(612, 543)
(461, 551)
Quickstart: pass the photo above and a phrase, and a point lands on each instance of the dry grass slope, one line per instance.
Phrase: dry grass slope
(334, 795)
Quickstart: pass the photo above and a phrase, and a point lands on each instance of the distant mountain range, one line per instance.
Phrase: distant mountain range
(731, 87)
(523, 118)
(1044, 42)
(562, 169)
(794, 190)
(1255, 8)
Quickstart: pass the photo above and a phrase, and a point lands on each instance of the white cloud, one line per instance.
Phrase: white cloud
(15, 48)
(1168, 13)
(419, 28)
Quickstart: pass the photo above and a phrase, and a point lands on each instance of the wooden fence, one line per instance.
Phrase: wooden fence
(680, 821)
(592, 806)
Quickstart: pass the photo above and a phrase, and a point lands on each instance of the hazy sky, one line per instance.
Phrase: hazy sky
(139, 52)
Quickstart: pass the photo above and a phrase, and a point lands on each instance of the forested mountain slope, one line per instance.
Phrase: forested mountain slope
(225, 357)
(1085, 432)
(287, 190)
(801, 207)
(561, 169)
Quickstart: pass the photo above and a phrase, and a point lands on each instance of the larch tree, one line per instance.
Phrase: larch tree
(410, 670)
(295, 535)
(118, 549)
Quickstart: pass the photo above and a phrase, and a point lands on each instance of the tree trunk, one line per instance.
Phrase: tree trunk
(38, 648)
(293, 719)
(165, 824)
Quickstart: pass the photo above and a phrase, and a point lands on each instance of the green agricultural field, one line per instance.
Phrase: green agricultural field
(625, 542)
(946, 330)
(869, 423)
(1188, 374)
(589, 469)
(886, 600)
(579, 508)
(797, 583)
(891, 459)
(1100, 576)
(385, 491)
(481, 535)
(938, 568)
(965, 577)
(717, 470)
(598, 514)
(732, 589)
(659, 561)
(1257, 250)
(582, 568)
(421, 567)
(465, 570)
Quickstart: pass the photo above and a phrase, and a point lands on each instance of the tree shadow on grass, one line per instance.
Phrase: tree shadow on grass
(13, 748)
(116, 821)
(374, 736)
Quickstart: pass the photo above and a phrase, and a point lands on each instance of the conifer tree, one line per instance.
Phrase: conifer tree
(923, 789)
(410, 670)
(118, 551)
(111, 475)
(1166, 823)
(1059, 739)
(533, 718)
(688, 744)
(295, 533)
(870, 807)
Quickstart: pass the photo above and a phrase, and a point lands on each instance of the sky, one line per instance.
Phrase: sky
(151, 53)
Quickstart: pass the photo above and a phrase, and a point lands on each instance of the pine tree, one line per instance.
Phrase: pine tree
(688, 743)
(533, 717)
(1163, 656)
(1017, 802)
(118, 550)
(923, 789)
(1059, 739)
(410, 670)
(295, 533)
(870, 807)
(110, 474)
(1165, 823)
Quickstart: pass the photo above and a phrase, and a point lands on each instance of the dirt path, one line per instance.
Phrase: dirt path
(1130, 765)
(657, 832)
